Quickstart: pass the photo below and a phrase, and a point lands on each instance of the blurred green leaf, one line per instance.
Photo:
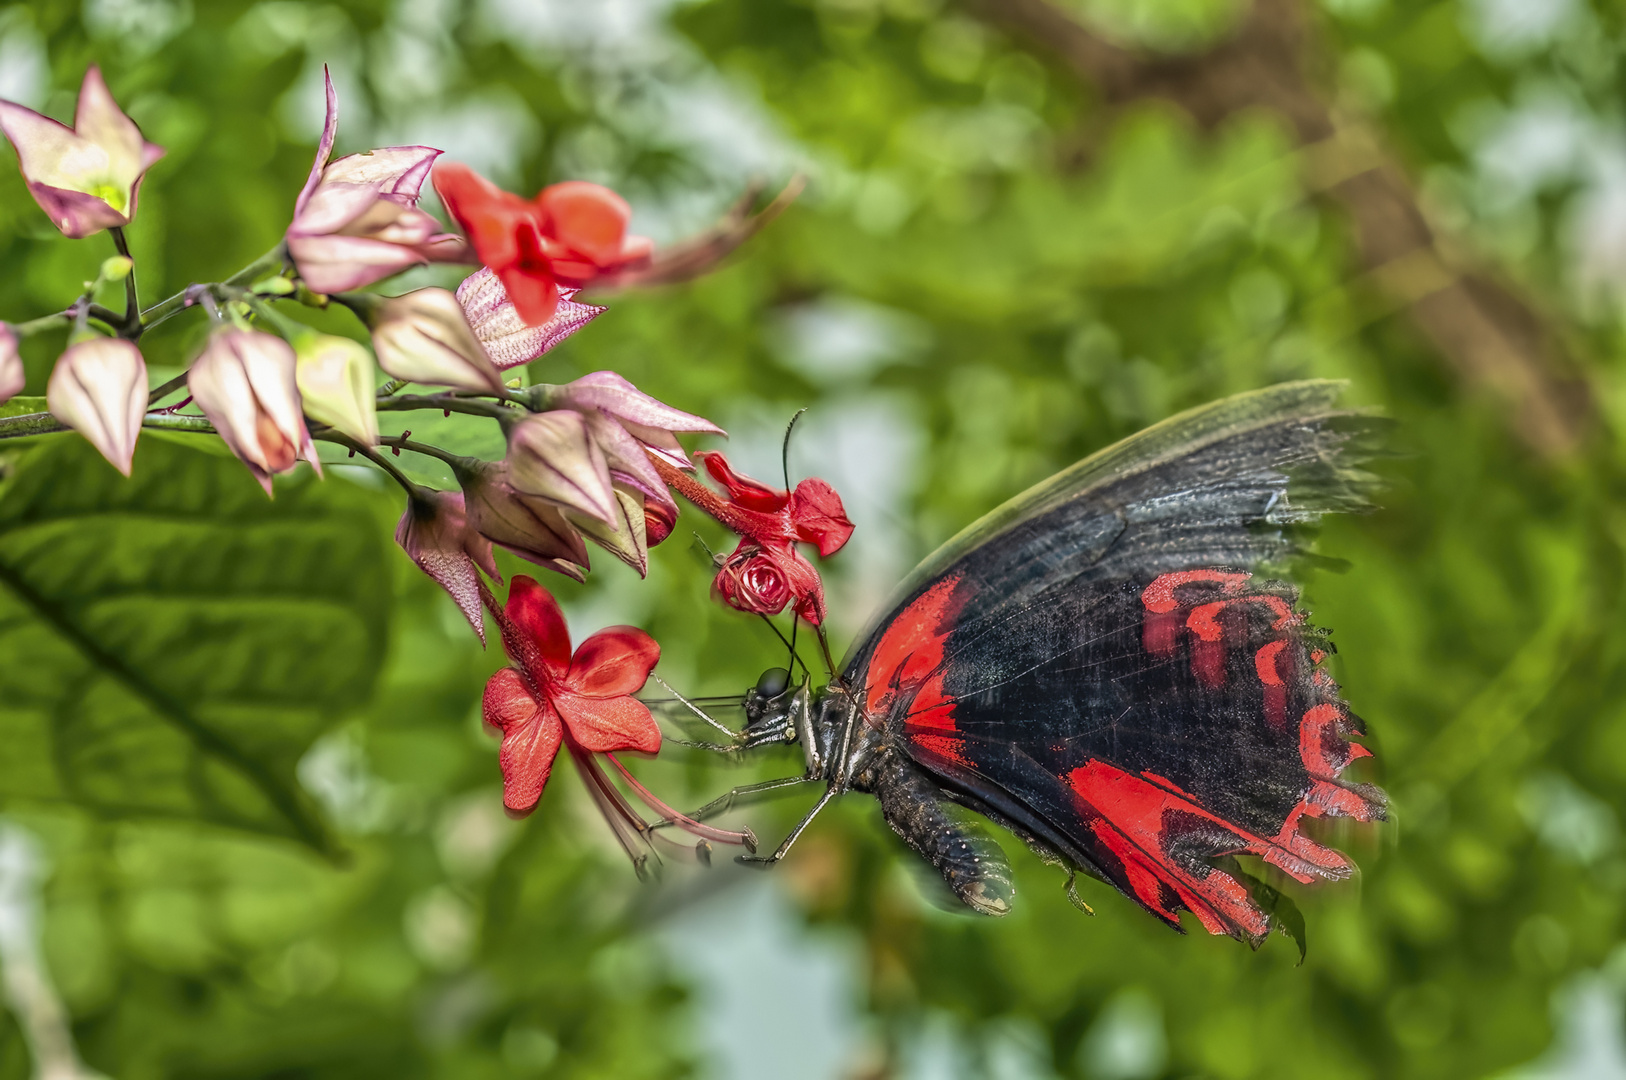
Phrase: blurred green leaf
(176, 641)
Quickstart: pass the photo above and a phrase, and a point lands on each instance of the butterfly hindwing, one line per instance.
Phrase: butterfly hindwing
(1102, 670)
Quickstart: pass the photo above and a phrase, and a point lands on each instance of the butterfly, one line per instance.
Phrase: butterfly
(1106, 667)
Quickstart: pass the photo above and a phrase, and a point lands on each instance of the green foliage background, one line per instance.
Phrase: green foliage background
(247, 732)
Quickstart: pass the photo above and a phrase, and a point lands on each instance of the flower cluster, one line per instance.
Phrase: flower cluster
(590, 461)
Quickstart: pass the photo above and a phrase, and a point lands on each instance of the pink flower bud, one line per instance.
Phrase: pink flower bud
(527, 525)
(245, 384)
(626, 539)
(435, 532)
(337, 384)
(99, 388)
(423, 337)
(628, 425)
(552, 455)
(357, 221)
(507, 338)
(12, 375)
(86, 178)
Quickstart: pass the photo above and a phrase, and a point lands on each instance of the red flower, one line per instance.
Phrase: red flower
(812, 514)
(765, 580)
(584, 701)
(570, 234)
(766, 573)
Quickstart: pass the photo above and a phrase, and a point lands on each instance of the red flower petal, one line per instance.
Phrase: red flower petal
(601, 725)
(753, 581)
(535, 295)
(819, 517)
(614, 662)
(489, 215)
(539, 626)
(805, 584)
(588, 218)
(526, 759)
(659, 520)
(506, 232)
(508, 701)
(746, 492)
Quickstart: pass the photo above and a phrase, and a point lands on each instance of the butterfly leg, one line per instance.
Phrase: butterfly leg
(724, 802)
(970, 861)
(779, 853)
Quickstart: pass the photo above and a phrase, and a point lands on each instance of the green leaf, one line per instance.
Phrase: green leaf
(174, 642)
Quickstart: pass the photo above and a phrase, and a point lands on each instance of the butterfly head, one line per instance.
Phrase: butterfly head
(776, 710)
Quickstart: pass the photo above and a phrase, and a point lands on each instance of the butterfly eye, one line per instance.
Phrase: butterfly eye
(774, 681)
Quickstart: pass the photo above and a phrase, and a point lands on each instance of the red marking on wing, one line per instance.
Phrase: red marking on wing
(1326, 751)
(1159, 595)
(1160, 632)
(907, 665)
(1141, 819)
(1131, 817)
(1267, 662)
(1204, 620)
(943, 746)
(1208, 662)
(1160, 628)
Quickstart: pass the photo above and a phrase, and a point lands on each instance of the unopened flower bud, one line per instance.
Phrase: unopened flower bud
(337, 384)
(627, 539)
(435, 532)
(99, 388)
(527, 525)
(423, 337)
(551, 454)
(12, 375)
(117, 267)
(245, 384)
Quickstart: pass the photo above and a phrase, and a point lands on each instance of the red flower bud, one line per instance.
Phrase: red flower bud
(766, 580)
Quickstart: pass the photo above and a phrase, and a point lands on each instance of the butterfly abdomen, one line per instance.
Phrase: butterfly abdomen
(971, 862)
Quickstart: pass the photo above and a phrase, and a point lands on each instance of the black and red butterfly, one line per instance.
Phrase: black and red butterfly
(1105, 667)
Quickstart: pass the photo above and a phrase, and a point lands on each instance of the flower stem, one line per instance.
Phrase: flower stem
(703, 497)
(17, 427)
(456, 461)
(166, 389)
(444, 402)
(43, 423)
(412, 490)
(273, 259)
(165, 310)
(130, 327)
(43, 324)
(165, 421)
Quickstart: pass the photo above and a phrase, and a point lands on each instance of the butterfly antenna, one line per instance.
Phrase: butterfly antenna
(784, 449)
(789, 643)
(697, 710)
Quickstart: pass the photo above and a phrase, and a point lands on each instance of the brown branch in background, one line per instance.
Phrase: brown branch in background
(1490, 335)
